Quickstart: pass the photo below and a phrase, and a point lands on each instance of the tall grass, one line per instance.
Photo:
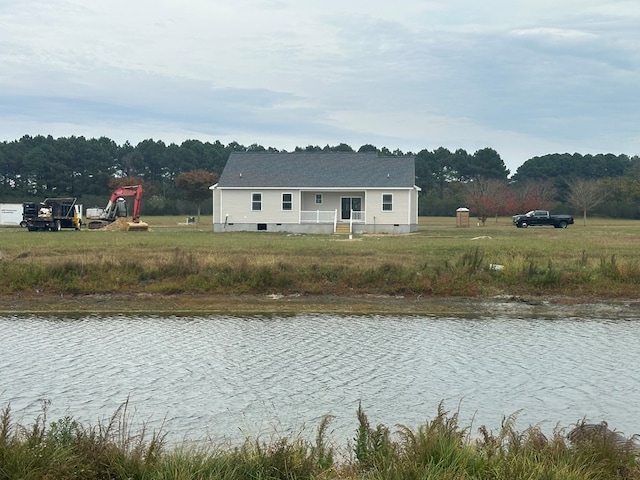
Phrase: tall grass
(66, 449)
(438, 449)
(466, 273)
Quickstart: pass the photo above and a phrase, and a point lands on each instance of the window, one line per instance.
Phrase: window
(287, 201)
(318, 198)
(256, 202)
(387, 202)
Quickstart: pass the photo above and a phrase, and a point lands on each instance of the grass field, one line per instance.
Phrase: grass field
(440, 260)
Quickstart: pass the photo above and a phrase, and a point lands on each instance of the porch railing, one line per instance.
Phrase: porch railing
(329, 216)
(318, 216)
(358, 216)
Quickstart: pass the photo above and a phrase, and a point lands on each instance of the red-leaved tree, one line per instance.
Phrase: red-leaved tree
(195, 186)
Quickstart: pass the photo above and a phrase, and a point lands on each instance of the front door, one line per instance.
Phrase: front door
(348, 204)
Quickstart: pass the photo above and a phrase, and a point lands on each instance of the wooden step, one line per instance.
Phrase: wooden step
(342, 229)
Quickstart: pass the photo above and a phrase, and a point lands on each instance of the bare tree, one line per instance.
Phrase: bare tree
(586, 194)
(536, 195)
(486, 197)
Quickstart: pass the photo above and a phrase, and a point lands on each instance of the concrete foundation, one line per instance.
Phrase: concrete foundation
(307, 228)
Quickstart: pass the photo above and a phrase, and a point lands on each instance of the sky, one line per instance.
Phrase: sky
(523, 77)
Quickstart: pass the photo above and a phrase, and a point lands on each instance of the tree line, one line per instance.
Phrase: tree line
(36, 167)
(603, 184)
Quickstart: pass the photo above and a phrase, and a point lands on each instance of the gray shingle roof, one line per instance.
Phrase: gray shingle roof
(317, 170)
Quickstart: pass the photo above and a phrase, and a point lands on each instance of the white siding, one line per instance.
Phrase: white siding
(330, 200)
(399, 213)
(233, 209)
(235, 206)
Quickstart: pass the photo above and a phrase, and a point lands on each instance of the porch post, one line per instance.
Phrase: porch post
(299, 207)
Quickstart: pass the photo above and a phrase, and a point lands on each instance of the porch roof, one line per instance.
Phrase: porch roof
(317, 170)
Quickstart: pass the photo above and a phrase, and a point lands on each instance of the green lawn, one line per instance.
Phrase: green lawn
(599, 259)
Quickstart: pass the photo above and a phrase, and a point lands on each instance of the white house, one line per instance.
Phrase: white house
(316, 193)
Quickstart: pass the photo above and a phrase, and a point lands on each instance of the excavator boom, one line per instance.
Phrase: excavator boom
(116, 208)
(130, 191)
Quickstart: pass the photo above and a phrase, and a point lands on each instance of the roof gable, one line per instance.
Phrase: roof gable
(317, 170)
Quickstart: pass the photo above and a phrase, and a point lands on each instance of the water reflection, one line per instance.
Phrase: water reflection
(232, 377)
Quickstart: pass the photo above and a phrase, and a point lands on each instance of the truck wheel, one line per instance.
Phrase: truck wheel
(56, 226)
(563, 224)
(524, 225)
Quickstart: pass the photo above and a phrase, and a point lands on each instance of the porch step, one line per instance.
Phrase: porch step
(342, 229)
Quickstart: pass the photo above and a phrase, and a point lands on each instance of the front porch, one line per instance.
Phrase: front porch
(340, 225)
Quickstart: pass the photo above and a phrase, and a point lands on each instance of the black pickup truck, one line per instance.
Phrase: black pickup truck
(536, 218)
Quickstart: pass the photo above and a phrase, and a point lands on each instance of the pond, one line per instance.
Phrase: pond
(227, 378)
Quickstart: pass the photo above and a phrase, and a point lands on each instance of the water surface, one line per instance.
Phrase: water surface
(229, 377)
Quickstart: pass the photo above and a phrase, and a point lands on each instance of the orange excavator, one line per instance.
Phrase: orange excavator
(117, 208)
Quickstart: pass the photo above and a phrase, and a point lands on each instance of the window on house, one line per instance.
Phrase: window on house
(318, 198)
(256, 202)
(287, 201)
(387, 202)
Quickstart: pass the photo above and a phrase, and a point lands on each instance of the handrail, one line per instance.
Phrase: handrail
(329, 216)
(318, 216)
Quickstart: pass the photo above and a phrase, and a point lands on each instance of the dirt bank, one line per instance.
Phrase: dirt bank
(158, 304)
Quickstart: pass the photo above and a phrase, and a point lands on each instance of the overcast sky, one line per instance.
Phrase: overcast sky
(525, 77)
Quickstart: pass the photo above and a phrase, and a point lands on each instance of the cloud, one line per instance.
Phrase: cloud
(526, 78)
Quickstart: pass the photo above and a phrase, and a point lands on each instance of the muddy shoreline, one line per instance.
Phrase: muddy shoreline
(38, 303)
